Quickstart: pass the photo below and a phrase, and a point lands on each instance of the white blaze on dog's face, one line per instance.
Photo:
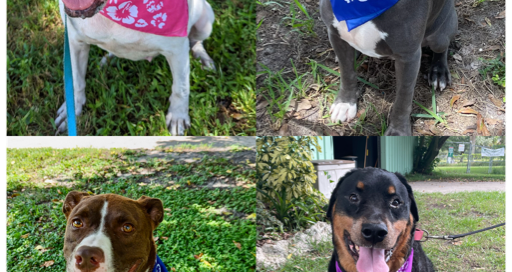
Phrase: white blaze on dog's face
(110, 233)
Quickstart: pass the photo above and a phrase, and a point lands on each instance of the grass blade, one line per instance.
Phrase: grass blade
(431, 113)
(329, 70)
(368, 83)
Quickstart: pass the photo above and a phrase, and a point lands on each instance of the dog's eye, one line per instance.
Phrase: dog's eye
(353, 198)
(77, 223)
(127, 227)
(395, 203)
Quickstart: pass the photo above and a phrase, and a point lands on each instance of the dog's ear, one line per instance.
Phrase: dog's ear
(72, 199)
(414, 208)
(332, 201)
(154, 208)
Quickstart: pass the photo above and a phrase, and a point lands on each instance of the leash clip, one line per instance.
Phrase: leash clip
(444, 237)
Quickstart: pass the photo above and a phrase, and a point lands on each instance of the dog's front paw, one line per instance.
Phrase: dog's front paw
(343, 111)
(439, 76)
(177, 122)
(404, 130)
(61, 121)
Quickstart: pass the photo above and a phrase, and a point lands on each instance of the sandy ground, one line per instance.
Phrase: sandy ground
(143, 142)
(454, 187)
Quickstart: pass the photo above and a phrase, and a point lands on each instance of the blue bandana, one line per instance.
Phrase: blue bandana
(358, 12)
(159, 265)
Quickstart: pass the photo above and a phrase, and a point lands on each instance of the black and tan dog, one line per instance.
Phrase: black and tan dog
(373, 215)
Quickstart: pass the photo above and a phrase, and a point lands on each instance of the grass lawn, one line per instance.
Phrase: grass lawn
(442, 215)
(127, 97)
(478, 173)
(217, 224)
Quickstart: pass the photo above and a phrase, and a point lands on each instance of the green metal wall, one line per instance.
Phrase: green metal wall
(397, 153)
(325, 142)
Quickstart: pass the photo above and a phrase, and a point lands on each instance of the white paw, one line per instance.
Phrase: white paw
(177, 123)
(61, 121)
(343, 112)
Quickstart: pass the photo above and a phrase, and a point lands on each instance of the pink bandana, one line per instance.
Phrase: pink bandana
(406, 267)
(161, 17)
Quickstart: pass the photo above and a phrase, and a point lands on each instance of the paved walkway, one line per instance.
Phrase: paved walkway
(130, 142)
(453, 187)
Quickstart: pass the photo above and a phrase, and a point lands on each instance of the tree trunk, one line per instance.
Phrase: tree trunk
(430, 155)
(418, 154)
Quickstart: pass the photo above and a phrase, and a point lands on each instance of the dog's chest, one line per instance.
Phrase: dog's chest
(363, 38)
(122, 42)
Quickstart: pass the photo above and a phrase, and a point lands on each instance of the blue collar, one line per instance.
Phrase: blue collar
(159, 265)
(358, 12)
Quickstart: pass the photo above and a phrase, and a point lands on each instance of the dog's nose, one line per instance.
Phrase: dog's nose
(374, 233)
(89, 258)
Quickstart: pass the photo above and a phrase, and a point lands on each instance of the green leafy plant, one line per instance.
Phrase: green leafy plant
(496, 69)
(286, 177)
(284, 163)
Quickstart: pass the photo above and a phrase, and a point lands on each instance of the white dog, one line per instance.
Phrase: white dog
(136, 45)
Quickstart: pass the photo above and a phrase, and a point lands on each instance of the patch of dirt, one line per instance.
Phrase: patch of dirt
(481, 36)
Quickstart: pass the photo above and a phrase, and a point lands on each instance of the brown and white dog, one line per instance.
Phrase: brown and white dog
(110, 233)
(136, 45)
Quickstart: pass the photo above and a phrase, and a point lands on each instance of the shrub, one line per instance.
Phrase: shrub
(286, 179)
(284, 164)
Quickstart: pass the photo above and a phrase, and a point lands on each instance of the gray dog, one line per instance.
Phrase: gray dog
(400, 32)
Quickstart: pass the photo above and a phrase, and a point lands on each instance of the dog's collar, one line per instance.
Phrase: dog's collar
(358, 12)
(406, 267)
(159, 265)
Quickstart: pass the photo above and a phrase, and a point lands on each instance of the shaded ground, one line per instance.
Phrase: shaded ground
(288, 59)
(137, 142)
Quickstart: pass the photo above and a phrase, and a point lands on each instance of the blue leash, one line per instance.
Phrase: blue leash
(68, 84)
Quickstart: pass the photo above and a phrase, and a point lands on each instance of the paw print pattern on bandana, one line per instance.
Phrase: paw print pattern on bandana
(161, 17)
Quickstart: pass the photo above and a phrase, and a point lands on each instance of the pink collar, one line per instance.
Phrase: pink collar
(160, 17)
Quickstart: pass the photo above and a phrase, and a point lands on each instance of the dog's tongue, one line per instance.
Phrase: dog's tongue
(371, 260)
(78, 4)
